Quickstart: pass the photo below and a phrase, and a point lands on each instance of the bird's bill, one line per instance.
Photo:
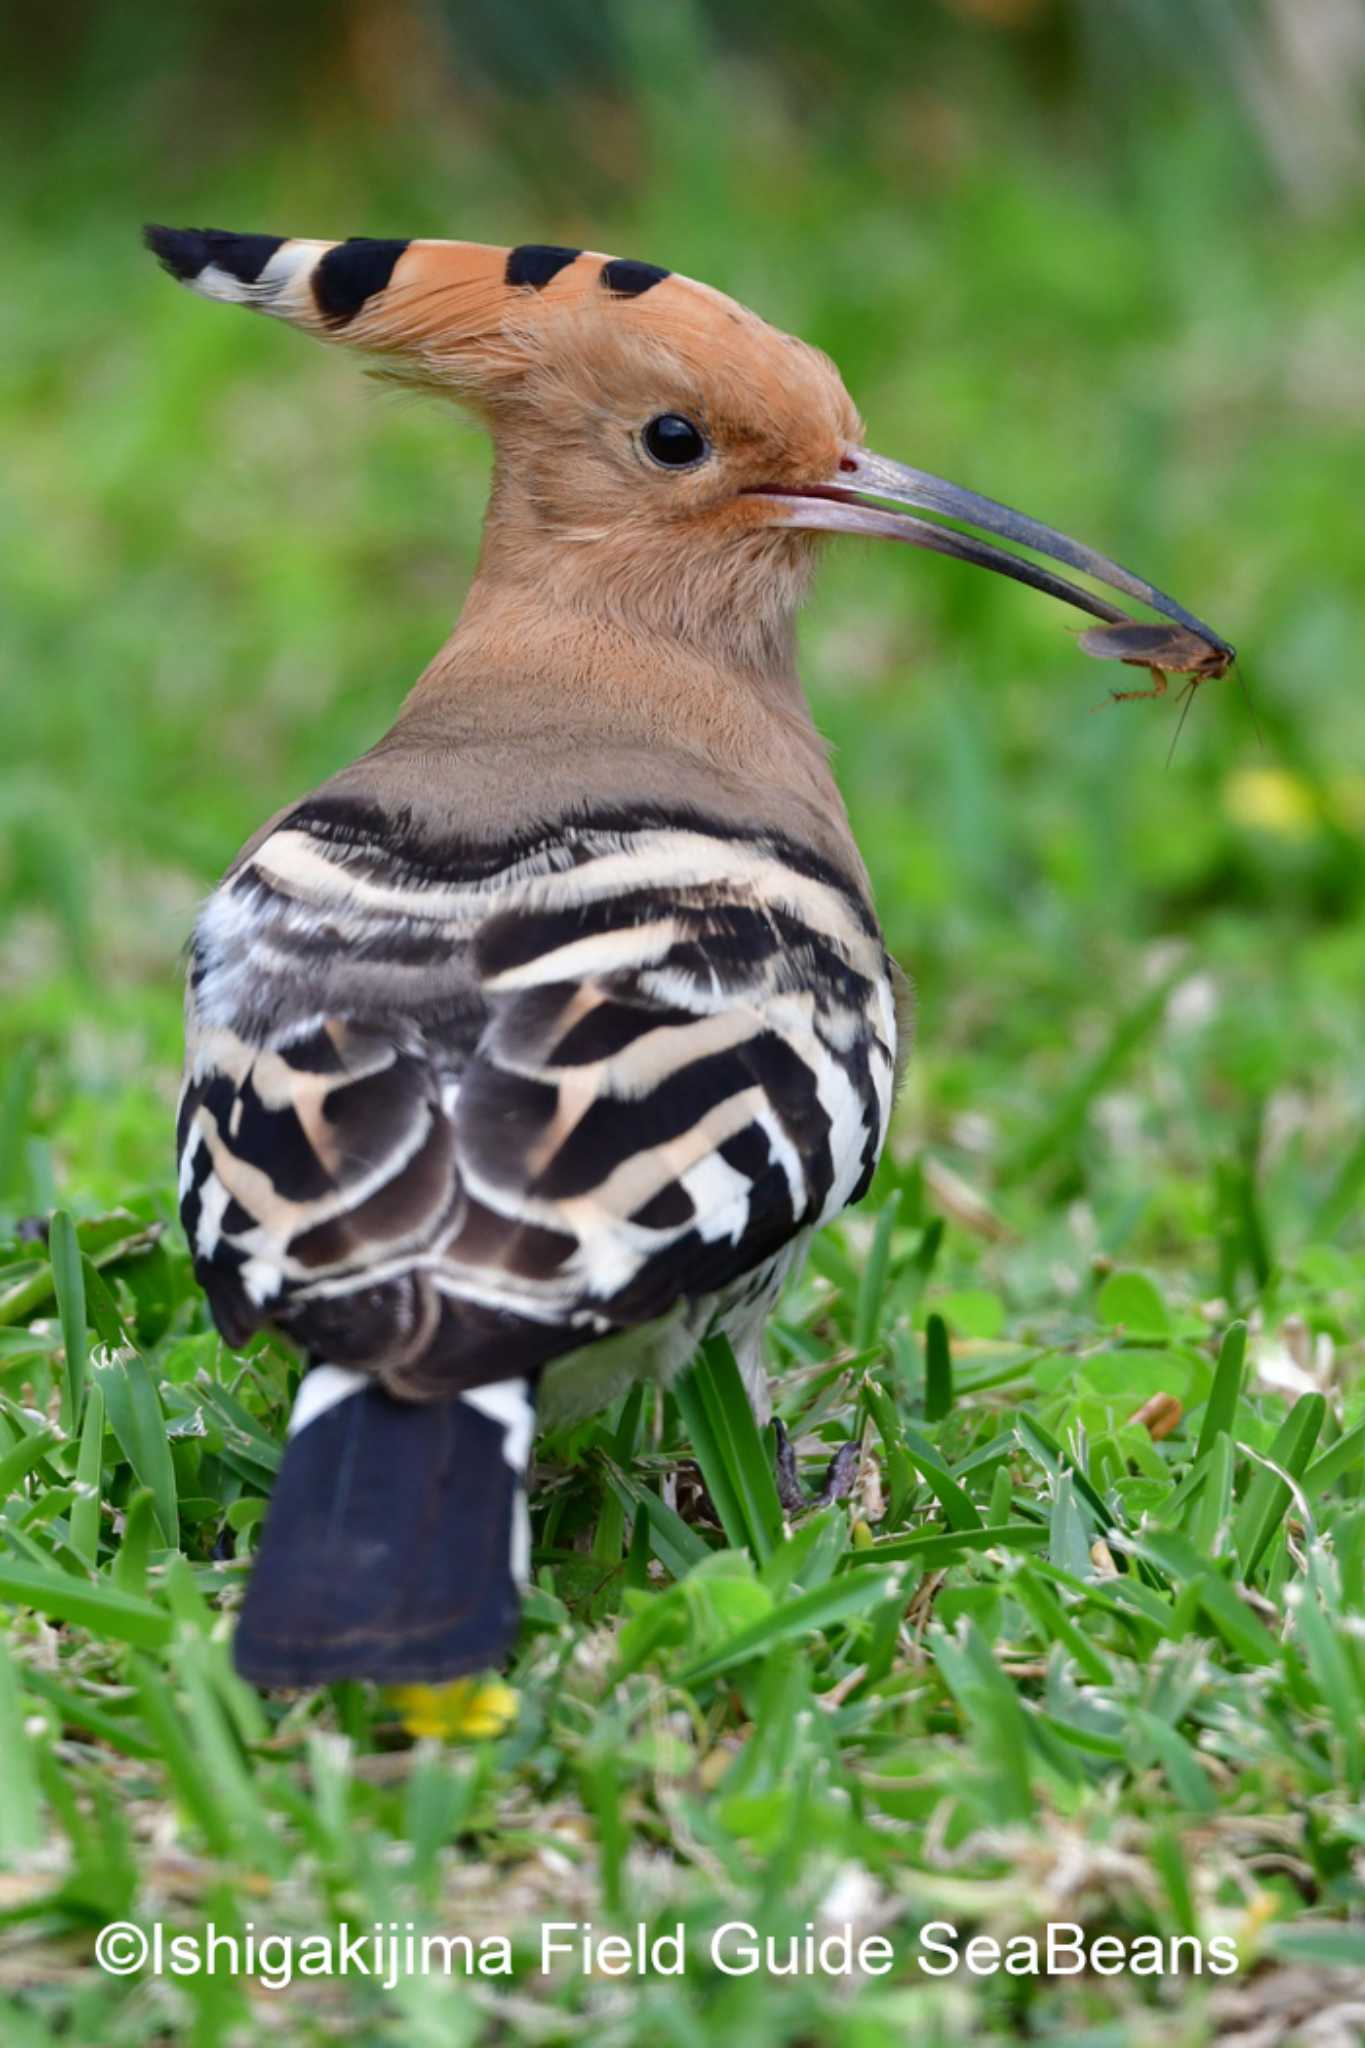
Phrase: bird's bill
(860, 498)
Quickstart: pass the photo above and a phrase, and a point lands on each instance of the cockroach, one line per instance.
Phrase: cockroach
(1163, 651)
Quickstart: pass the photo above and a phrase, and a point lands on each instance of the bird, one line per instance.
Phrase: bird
(535, 1044)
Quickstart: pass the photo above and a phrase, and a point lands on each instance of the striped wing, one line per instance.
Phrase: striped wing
(450, 1114)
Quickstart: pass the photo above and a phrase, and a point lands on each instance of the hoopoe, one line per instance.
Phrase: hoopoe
(538, 1041)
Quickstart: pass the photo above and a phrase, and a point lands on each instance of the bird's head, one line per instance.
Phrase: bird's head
(661, 452)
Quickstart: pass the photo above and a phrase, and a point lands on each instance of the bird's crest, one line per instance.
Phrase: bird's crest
(465, 315)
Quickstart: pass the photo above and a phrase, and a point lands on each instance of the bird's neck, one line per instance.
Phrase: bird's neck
(538, 657)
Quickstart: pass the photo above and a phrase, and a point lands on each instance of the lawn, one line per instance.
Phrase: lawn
(1087, 1642)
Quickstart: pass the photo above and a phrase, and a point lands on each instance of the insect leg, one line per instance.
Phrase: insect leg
(1158, 689)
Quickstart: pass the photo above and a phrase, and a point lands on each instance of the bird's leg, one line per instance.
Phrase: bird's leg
(838, 1478)
(840, 1474)
(789, 1489)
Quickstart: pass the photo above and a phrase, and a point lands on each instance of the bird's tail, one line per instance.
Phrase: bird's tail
(396, 1542)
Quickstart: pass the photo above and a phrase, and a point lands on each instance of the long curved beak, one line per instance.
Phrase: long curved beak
(859, 499)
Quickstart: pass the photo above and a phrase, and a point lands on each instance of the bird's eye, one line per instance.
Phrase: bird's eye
(675, 442)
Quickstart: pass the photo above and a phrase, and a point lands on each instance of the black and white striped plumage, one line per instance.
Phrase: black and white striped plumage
(452, 1112)
(455, 1112)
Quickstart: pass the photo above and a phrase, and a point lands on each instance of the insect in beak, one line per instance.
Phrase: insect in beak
(865, 495)
(1163, 651)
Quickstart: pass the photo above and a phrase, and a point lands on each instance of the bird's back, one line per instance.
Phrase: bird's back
(459, 1101)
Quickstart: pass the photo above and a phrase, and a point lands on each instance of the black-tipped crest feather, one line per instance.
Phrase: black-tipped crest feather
(185, 252)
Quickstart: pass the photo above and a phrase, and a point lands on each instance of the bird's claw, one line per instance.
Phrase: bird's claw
(838, 1480)
(789, 1489)
(840, 1474)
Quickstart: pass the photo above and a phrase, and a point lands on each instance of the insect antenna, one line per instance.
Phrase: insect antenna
(1251, 708)
(1186, 699)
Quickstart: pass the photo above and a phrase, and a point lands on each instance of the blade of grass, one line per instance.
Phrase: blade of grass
(838, 1600)
(677, 1547)
(943, 1546)
(1042, 1445)
(1056, 1625)
(1268, 1496)
(68, 1282)
(1071, 1531)
(810, 1557)
(1342, 1197)
(1221, 1405)
(872, 1289)
(196, 1788)
(78, 1712)
(610, 1531)
(900, 1471)
(828, 1258)
(732, 1455)
(1235, 1621)
(84, 1528)
(14, 1114)
(21, 1813)
(628, 1427)
(129, 1569)
(104, 1240)
(938, 1370)
(1185, 1774)
(19, 1461)
(135, 1416)
(100, 1307)
(101, 1608)
(637, 1556)
(1170, 1861)
(1210, 1517)
(959, 1510)
(218, 1754)
(1318, 1628)
(993, 1709)
(1322, 1945)
(1206, 1590)
(241, 1429)
(1346, 1453)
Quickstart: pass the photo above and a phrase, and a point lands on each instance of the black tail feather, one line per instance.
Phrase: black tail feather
(389, 1548)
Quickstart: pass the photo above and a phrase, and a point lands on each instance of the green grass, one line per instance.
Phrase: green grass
(1041, 1664)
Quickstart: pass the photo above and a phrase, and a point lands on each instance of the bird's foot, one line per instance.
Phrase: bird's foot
(838, 1480)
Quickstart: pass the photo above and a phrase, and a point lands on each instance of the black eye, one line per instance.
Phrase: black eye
(675, 442)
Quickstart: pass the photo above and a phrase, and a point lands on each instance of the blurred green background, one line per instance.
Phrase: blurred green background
(1102, 258)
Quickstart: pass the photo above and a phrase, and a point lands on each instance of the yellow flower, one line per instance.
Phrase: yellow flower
(470, 1709)
(1271, 800)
